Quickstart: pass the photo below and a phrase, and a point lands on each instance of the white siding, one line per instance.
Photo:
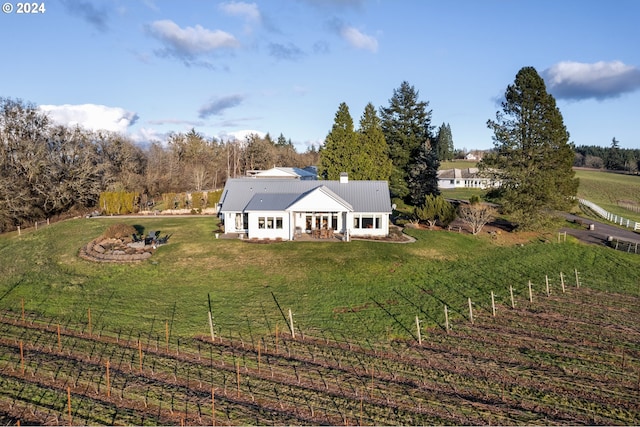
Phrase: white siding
(269, 225)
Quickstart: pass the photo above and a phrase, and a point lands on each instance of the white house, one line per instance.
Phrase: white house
(286, 208)
(463, 178)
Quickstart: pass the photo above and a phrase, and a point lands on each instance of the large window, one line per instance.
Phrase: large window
(363, 221)
(270, 222)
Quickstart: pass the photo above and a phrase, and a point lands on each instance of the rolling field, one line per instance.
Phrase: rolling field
(371, 344)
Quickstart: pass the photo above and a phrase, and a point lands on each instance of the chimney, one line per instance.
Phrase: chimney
(344, 177)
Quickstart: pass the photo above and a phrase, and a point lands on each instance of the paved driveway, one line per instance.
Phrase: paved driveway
(600, 232)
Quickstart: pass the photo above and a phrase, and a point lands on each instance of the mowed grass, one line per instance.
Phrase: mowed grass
(363, 290)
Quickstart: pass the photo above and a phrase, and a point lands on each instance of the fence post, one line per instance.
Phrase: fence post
(562, 281)
(513, 303)
(446, 318)
(546, 281)
(577, 279)
(493, 304)
(418, 328)
(530, 293)
(470, 310)
(293, 334)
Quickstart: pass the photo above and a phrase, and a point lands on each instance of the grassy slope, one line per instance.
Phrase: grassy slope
(319, 281)
(606, 189)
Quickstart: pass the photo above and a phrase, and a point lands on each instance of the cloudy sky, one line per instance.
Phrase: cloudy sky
(150, 67)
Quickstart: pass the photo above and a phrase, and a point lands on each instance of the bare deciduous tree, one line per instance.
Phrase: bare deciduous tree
(476, 215)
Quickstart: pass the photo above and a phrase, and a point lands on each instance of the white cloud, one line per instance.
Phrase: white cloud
(240, 135)
(190, 41)
(599, 80)
(358, 39)
(248, 11)
(91, 116)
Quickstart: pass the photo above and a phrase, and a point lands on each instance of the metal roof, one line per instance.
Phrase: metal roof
(364, 196)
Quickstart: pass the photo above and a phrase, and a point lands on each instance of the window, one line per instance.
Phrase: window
(367, 221)
(270, 222)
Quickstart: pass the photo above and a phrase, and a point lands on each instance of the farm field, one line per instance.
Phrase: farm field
(371, 344)
(566, 358)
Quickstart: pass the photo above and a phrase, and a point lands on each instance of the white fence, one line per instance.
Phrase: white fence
(617, 219)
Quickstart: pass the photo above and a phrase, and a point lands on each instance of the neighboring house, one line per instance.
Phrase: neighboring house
(291, 173)
(283, 208)
(474, 155)
(463, 178)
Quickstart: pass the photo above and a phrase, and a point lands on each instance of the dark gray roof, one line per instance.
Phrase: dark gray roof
(240, 193)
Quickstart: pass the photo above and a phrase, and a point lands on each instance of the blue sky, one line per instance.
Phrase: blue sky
(150, 67)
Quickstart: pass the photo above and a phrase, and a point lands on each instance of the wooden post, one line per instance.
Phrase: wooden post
(21, 358)
(19, 231)
(238, 377)
(513, 303)
(446, 319)
(108, 381)
(546, 281)
(418, 328)
(493, 304)
(140, 353)
(293, 334)
(577, 279)
(562, 281)
(69, 405)
(213, 337)
(213, 407)
(59, 341)
(470, 310)
(166, 333)
(530, 293)
(36, 225)
(258, 356)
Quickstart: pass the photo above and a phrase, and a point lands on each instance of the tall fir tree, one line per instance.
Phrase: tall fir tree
(375, 163)
(340, 150)
(406, 124)
(533, 156)
(423, 175)
(444, 143)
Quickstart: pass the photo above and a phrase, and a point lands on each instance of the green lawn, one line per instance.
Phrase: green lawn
(330, 286)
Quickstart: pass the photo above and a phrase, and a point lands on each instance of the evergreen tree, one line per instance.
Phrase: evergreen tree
(615, 158)
(375, 163)
(423, 175)
(533, 157)
(340, 149)
(406, 124)
(444, 143)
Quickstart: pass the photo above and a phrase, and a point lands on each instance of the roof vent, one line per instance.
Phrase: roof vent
(344, 177)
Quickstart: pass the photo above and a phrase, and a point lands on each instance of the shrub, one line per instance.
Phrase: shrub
(119, 231)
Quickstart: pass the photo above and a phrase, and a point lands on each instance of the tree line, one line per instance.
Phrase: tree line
(611, 158)
(48, 170)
